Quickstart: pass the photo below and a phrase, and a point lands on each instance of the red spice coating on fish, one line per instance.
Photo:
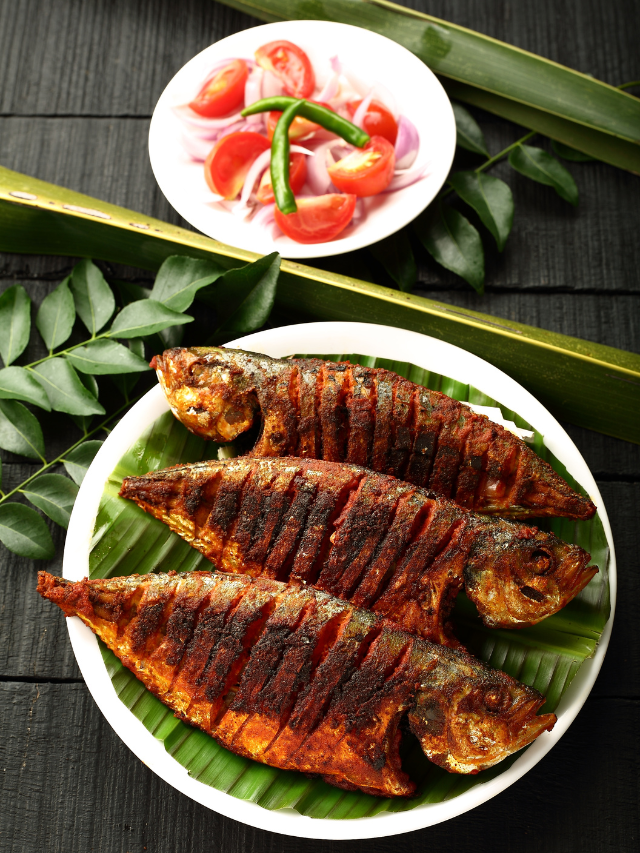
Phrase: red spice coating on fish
(299, 680)
(367, 538)
(365, 416)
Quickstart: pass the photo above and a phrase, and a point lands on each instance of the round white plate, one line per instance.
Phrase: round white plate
(382, 341)
(375, 58)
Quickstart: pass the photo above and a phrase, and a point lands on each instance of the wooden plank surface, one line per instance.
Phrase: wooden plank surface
(75, 787)
(79, 82)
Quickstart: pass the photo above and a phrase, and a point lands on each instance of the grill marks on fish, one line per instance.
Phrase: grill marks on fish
(295, 678)
(339, 532)
(366, 416)
(364, 537)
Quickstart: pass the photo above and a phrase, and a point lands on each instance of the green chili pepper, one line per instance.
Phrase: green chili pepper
(316, 113)
(285, 199)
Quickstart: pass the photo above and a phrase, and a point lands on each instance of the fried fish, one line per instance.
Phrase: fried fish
(365, 416)
(297, 679)
(370, 539)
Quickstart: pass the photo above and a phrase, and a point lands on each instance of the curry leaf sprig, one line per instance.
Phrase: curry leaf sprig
(449, 237)
(64, 380)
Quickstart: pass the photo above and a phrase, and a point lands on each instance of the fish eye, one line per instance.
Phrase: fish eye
(541, 562)
(496, 699)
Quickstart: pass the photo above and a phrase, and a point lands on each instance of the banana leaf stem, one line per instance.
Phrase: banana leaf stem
(101, 426)
(499, 156)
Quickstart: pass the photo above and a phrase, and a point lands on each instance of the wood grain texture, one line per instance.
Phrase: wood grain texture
(107, 801)
(106, 58)
(80, 79)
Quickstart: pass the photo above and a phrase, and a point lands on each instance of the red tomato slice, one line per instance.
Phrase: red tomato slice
(366, 171)
(297, 177)
(378, 121)
(318, 219)
(230, 159)
(291, 64)
(224, 93)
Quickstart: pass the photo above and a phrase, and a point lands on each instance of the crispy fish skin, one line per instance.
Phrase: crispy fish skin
(365, 416)
(370, 539)
(294, 678)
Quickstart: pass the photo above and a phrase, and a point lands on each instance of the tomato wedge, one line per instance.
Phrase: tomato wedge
(297, 177)
(378, 121)
(318, 219)
(366, 171)
(230, 159)
(291, 64)
(224, 93)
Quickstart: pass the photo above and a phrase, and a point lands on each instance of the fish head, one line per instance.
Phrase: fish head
(517, 575)
(475, 717)
(209, 389)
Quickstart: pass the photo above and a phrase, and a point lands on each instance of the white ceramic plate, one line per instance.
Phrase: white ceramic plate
(416, 89)
(367, 339)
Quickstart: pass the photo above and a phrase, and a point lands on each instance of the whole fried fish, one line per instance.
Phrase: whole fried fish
(366, 416)
(297, 679)
(368, 538)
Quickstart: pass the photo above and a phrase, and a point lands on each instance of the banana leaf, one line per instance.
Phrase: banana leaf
(547, 656)
(566, 105)
(572, 377)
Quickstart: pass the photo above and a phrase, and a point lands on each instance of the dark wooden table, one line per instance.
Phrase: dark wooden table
(79, 82)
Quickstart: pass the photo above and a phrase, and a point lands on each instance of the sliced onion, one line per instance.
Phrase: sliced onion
(271, 85)
(356, 83)
(317, 174)
(187, 115)
(265, 215)
(255, 122)
(198, 149)
(407, 143)
(330, 90)
(332, 86)
(235, 128)
(380, 92)
(213, 198)
(253, 86)
(361, 112)
(195, 144)
(385, 97)
(257, 168)
(408, 177)
(223, 203)
(359, 212)
(241, 210)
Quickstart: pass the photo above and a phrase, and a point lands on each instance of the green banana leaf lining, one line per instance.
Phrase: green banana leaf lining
(547, 656)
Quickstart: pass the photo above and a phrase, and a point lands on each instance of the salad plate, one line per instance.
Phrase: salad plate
(366, 62)
(369, 340)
